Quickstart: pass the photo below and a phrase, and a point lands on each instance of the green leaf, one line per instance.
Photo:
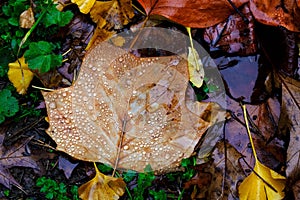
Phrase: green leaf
(8, 104)
(129, 175)
(13, 21)
(160, 195)
(40, 56)
(54, 16)
(7, 11)
(104, 168)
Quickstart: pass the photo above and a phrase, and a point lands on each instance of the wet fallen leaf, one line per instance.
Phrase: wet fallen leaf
(129, 111)
(190, 13)
(277, 13)
(290, 124)
(233, 35)
(263, 123)
(27, 18)
(263, 182)
(226, 173)
(20, 75)
(102, 187)
(67, 166)
(13, 157)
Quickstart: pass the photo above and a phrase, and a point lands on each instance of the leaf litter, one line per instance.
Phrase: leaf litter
(254, 117)
(13, 157)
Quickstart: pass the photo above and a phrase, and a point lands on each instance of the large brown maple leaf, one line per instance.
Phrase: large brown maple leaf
(128, 112)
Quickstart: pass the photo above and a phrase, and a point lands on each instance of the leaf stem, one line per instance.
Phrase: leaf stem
(249, 133)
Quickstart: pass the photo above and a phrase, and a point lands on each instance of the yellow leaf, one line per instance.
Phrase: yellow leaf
(84, 5)
(102, 187)
(263, 183)
(20, 75)
(268, 185)
(115, 13)
(196, 71)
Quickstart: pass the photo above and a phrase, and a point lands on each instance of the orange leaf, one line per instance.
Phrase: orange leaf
(102, 187)
(191, 13)
(277, 12)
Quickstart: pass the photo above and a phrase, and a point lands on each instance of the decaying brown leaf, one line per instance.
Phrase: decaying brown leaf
(128, 111)
(13, 157)
(67, 166)
(290, 124)
(226, 173)
(233, 35)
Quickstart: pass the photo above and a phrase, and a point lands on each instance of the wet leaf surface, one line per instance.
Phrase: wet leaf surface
(67, 166)
(189, 13)
(235, 35)
(145, 116)
(290, 125)
(277, 12)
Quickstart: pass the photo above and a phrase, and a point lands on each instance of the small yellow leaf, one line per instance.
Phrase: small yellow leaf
(27, 18)
(196, 71)
(262, 184)
(20, 75)
(84, 5)
(102, 187)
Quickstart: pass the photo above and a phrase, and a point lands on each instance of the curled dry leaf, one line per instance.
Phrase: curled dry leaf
(20, 75)
(128, 111)
(27, 18)
(190, 13)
